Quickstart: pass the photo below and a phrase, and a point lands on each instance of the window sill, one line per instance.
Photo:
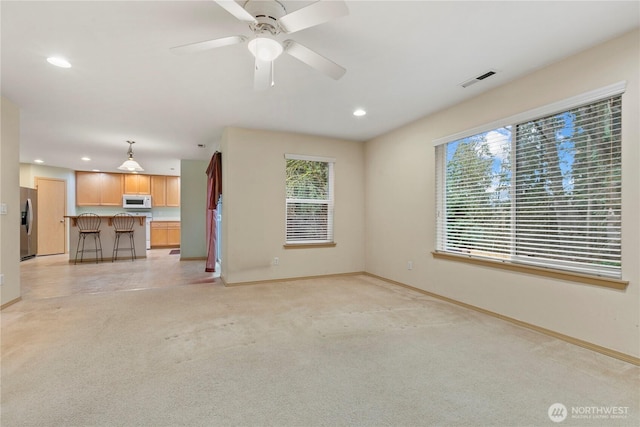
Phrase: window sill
(308, 245)
(539, 271)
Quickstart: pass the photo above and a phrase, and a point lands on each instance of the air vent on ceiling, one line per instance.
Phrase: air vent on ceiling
(479, 78)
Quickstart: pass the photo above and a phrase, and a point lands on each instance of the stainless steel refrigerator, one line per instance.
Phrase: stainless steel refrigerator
(28, 223)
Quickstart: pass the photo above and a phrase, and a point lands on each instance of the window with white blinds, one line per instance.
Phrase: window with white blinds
(309, 199)
(543, 191)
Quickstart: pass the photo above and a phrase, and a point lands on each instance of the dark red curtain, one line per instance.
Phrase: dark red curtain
(214, 190)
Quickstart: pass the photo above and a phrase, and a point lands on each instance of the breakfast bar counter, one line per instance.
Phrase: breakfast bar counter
(107, 237)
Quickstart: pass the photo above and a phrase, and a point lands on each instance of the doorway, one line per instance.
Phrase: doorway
(52, 207)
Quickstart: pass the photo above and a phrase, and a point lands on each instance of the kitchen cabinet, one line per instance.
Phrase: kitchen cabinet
(88, 188)
(106, 189)
(137, 184)
(165, 191)
(165, 234)
(173, 233)
(159, 190)
(173, 191)
(111, 189)
(98, 189)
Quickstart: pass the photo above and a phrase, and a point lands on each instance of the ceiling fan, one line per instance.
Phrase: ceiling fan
(268, 19)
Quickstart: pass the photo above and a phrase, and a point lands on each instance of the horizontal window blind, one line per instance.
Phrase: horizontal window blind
(568, 189)
(544, 192)
(309, 200)
(476, 176)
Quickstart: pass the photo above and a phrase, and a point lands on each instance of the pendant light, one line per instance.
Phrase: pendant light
(130, 164)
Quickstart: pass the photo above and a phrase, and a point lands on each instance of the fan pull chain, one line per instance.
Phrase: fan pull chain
(273, 80)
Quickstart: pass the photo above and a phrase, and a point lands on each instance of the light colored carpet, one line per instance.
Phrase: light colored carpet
(323, 352)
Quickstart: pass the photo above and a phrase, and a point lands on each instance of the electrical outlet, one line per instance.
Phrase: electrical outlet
(276, 261)
(410, 265)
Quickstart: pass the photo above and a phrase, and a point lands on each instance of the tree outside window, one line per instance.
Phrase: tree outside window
(309, 200)
(545, 192)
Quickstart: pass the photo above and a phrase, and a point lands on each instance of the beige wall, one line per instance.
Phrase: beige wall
(253, 212)
(10, 195)
(400, 206)
(193, 205)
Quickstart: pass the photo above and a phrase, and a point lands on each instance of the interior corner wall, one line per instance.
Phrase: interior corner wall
(193, 209)
(400, 206)
(10, 195)
(253, 213)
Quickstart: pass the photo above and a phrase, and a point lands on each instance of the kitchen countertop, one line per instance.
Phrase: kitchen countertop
(74, 218)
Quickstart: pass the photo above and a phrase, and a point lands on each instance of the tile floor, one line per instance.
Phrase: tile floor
(53, 276)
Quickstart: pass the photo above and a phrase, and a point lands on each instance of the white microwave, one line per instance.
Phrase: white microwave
(136, 201)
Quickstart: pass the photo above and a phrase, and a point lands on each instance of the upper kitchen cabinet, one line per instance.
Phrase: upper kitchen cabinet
(159, 190)
(165, 191)
(98, 189)
(173, 191)
(137, 184)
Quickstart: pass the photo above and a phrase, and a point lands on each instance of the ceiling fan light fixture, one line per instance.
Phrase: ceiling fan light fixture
(265, 49)
(58, 62)
(130, 164)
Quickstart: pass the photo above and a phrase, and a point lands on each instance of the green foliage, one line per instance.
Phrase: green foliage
(473, 208)
(565, 189)
(307, 179)
(569, 170)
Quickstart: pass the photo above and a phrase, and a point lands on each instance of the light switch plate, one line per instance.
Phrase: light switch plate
(3, 208)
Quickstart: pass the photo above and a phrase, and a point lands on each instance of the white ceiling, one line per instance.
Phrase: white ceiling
(404, 60)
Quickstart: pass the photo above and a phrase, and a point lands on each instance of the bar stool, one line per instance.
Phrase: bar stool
(123, 224)
(88, 225)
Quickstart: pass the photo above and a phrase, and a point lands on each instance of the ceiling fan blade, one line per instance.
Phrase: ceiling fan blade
(314, 14)
(263, 77)
(313, 59)
(208, 44)
(236, 10)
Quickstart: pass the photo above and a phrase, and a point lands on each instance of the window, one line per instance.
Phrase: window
(309, 203)
(543, 190)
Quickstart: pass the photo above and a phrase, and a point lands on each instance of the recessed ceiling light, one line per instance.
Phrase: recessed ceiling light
(58, 62)
(359, 112)
(38, 161)
(95, 170)
(86, 159)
